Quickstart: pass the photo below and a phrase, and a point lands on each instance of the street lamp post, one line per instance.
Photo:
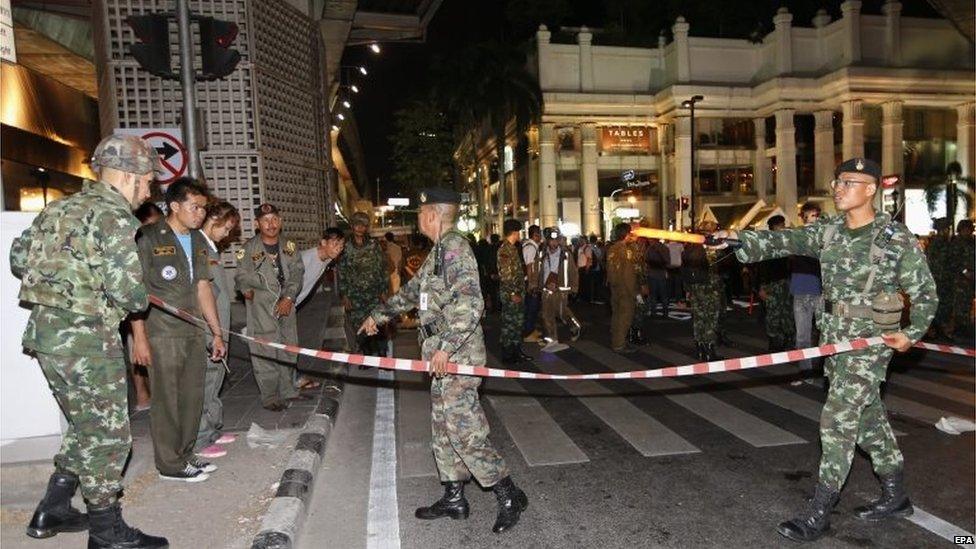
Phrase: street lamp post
(690, 104)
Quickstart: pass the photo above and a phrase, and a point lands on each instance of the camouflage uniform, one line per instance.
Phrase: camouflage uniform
(258, 271)
(854, 413)
(774, 281)
(511, 283)
(452, 318)
(80, 269)
(705, 288)
(362, 277)
(939, 256)
(963, 253)
(623, 277)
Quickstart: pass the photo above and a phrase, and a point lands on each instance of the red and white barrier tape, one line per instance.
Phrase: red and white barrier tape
(951, 349)
(716, 366)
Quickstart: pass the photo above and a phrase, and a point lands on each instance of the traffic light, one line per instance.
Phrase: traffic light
(684, 203)
(218, 58)
(152, 51)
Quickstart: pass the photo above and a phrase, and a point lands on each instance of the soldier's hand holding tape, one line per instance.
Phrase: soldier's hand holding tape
(438, 363)
(369, 327)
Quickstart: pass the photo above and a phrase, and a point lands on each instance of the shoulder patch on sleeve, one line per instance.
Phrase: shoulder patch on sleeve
(240, 254)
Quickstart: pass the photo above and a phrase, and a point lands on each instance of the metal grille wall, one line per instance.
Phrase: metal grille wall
(262, 123)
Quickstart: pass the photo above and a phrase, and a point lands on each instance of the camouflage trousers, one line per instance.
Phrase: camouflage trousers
(512, 321)
(706, 308)
(92, 394)
(855, 415)
(460, 433)
(780, 327)
(945, 290)
(963, 304)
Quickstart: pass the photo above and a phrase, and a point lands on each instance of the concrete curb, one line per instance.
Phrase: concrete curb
(286, 513)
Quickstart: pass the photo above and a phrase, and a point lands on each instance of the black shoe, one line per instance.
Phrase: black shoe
(109, 531)
(893, 502)
(54, 513)
(814, 521)
(189, 474)
(511, 503)
(524, 358)
(452, 504)
(627, 349)
(710, 353)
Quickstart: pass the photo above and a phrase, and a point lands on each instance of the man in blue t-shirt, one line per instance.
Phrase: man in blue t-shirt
(806, 290)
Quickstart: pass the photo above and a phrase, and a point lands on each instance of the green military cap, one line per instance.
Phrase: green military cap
(438, 195)
(265, 209)
(127, 153)
(359, 218)
(860, 165)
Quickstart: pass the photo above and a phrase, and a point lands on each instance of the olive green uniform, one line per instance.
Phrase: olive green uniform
(258, 270)
(212, 418)
(623, 277)
(179, 352)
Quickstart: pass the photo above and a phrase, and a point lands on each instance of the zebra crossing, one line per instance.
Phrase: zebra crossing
(542, 440)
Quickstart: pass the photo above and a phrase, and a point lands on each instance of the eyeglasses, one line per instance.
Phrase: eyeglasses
(846, 184)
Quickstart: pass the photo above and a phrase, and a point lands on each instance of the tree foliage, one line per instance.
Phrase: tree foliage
(423, 146)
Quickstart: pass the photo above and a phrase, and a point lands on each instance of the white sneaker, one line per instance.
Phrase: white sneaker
(188, 474)
(204, 466)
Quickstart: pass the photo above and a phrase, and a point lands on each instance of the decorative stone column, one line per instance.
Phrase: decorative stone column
(783, 23)
(585, 40)
(965, 138)
(542, 44)
(680, 32)
(892, 140)
(533, 172)
(682, 164)
(548, 208)
(851, 15)
(823, 151)
(590, 181)
(760, 164)
(663, 171)
(892, 13)
(853, 126)
(786, 163)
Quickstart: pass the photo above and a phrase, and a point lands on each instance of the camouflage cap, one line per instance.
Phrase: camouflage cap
(127, 153)
(359, 218)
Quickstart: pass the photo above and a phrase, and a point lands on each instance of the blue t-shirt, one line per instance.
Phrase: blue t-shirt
(186, 243)
(805, 276)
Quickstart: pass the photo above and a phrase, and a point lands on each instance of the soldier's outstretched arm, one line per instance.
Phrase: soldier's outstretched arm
(763, 245)
(122, 271)
(461, 272)
(18, 252)
(916, 280)
(407, 298)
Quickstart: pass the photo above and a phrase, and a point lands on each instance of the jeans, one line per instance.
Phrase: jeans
(805, 307)
(533, 302)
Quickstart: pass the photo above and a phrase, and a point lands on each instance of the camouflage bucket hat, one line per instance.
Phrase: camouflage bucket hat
(359, 218)
(127, 153)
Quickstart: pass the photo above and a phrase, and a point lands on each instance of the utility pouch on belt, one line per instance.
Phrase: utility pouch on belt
(886, 310)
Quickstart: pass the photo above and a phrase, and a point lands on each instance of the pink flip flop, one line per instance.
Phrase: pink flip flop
(226, 438)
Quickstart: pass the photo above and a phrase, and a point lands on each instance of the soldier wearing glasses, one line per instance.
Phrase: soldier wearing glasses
(867, 260)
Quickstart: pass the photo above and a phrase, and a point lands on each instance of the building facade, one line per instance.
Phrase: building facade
(775, 116)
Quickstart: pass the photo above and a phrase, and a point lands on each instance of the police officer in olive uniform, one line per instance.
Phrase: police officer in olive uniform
(173, 254)
(623, 277)
(867, 260)
(80, 270)
(447, 294)
(269, 276)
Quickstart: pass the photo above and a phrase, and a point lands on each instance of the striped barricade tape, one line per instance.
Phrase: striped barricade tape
(700, 368)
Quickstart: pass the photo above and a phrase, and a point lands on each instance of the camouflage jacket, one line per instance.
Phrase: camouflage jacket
(962, 253)
(362, 271)
(454, 305)
(624, 267)
(79, 266)
(940, 259)
(511, 270)
(846, 265)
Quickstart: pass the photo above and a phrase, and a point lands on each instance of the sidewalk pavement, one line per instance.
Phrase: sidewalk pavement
(224, 511)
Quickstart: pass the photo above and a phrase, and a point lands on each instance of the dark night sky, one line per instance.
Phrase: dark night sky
(402, 70)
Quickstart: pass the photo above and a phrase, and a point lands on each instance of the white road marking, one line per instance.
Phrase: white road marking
(383, 520)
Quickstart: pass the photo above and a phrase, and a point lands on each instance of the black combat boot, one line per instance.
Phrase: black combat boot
(452, 504)
(511, 503)
(710, 353)
(108, 530)
(507, 358)
(893, 502)
(701, 352)
(54, 513)
(523, 358)
(636, 337)
(814, 521)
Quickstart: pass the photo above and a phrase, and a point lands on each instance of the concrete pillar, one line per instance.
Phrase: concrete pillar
(585, 40)
(533, 172)
(760, 164)
(820, 22)
(965, 138)
(680, 33)
(892, 13)
(823, 151)
(590, 181)
(682, 164)
(853, 126)
(663, 172)
(892, 140)
(542, 38)
(786, 163)
(851, 14)
(783, 23)
(548, 208)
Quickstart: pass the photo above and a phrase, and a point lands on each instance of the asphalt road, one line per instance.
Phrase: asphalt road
(711, 461)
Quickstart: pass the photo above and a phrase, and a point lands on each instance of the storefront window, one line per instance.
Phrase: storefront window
(930, 145)
(725, 180)
(725, 133)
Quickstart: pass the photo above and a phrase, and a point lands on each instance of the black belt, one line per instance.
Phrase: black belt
(846, 310)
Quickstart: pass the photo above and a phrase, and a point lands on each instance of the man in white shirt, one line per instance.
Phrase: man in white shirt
(533, 297)
(318, 258)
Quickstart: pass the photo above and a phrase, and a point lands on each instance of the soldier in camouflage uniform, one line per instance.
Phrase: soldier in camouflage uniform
(963, 266)
(774, 291)
(448, 296)
(866, 259)
(363, 281)
(705, 290)
(624, 278)
(511, 293)
(80, 271)
(939, 256)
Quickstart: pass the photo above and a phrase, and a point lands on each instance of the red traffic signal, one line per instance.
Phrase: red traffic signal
(216, 55)
(152, 51)
(685, 202)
